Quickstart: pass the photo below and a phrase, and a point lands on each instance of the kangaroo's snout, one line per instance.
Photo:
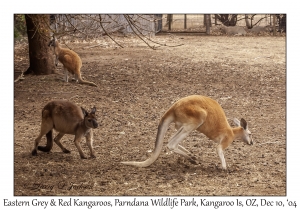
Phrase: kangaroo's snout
(95, 124)
(250, 141)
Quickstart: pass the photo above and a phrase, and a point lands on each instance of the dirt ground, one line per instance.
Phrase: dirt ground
(136, 85)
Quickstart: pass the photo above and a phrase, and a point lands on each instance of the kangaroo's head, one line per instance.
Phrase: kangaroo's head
(90, 119)
(246, 134)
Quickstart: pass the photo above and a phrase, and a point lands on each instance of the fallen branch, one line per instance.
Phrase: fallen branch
(171, 45)
(97, 45)
(133, 188)
(21, 77)
(73, 97)
(271, 142)
(54, 93)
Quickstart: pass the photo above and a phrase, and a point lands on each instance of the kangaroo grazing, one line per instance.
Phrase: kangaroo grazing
(199, 113)
(66, 118)
(70, 60)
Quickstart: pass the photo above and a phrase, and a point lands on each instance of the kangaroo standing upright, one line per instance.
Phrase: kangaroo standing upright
(204, 115)
(70, 60)
(66, 118)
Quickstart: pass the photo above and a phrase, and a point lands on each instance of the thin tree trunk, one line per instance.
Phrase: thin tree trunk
(216, 20)
(40, 55)
(170, 20)
(274, 25)
(207, 23)
(247, 22)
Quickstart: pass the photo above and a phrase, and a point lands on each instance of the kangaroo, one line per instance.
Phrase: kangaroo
(66, 118)
(199, 113)
(70, 60)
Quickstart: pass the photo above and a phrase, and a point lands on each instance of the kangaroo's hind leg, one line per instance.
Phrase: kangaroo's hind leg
(179, 136)
(49, 144)
(57, 141)
(66, 74)
(75, 78)
(46, 127)
(184, 129)
(178, 125)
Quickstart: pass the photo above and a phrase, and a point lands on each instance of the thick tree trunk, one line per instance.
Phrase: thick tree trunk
(40, 55)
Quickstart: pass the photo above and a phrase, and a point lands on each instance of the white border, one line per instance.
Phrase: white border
(138, 6)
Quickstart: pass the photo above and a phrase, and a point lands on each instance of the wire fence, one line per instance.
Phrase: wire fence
(94, 26)
(196, 22)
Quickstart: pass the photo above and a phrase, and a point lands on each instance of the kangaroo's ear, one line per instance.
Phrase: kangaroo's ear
(93, 111)
(244, 124)
(85, 113)
(236, 122)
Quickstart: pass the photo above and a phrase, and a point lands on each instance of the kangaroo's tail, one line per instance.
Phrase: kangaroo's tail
(162, 129)
(85, 82)
(49, 145)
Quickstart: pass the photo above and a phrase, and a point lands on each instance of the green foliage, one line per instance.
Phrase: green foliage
(19, 26)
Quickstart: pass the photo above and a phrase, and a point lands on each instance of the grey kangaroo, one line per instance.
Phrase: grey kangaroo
(66, 118)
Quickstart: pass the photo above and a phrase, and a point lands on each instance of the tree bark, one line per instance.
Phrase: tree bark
(170, 20)
(249, 26)
(227, 19)
(207, 23)
(216, 20)
(274, 25)
(40, 55)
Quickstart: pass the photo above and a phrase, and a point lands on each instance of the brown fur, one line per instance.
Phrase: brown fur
(66, 118)
(197, 113)
(70, 60)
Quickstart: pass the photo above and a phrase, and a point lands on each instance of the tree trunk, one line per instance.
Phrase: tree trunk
(247, 22)
(227, 19)
(170, 20)
(40, 55)
(274, 25)
(216, 20)
(233, 20)
(207, 23)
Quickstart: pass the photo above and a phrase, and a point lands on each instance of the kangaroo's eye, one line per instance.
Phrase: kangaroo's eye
(89, 120)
